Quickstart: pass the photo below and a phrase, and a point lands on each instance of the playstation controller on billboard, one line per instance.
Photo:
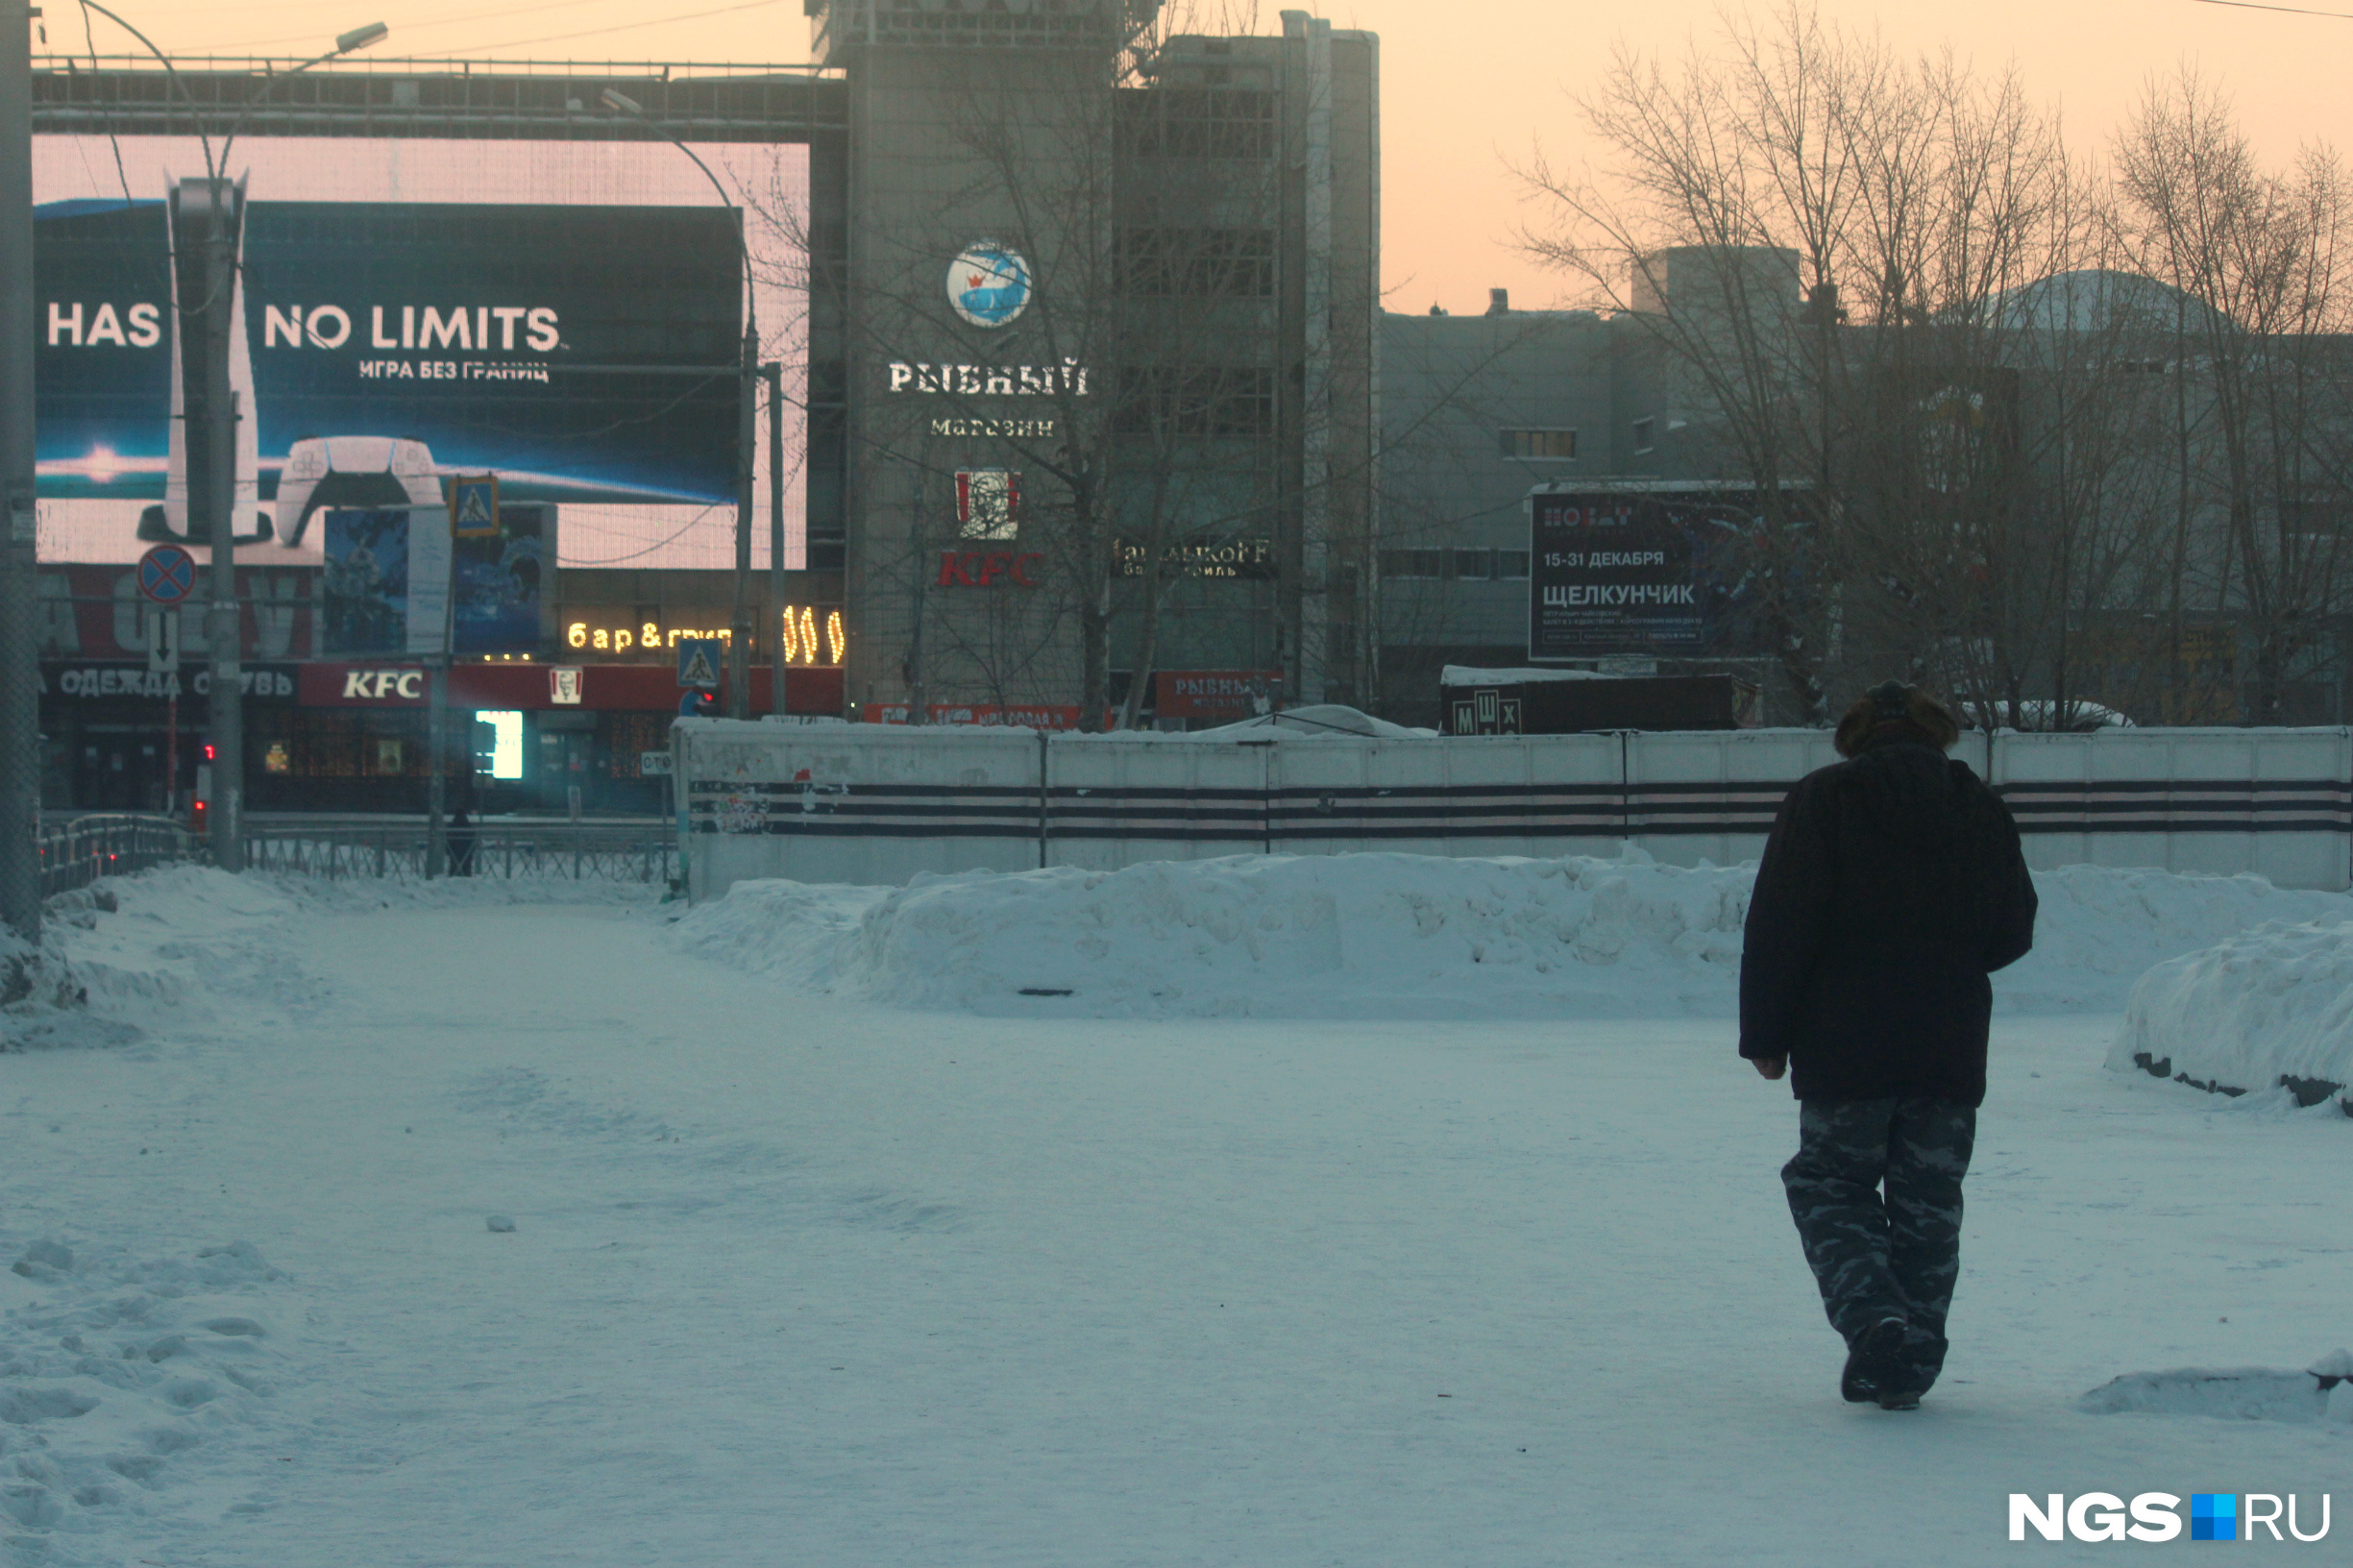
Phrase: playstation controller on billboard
(582, 353)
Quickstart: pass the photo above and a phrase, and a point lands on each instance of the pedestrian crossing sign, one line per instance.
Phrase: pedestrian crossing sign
(474, 506)
(698, 662)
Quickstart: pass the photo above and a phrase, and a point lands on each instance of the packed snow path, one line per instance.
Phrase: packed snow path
(809, 1281)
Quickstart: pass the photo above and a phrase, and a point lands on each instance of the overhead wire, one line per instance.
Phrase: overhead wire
(2292, 11)
(446, 19)
(626, 27)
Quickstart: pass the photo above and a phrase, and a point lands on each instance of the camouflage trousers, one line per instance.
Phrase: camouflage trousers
(1897, 1255)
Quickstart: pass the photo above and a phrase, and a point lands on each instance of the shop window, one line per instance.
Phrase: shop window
(505, 748)
(630, 736)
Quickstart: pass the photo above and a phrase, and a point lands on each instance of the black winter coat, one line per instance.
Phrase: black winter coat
(1892, 886)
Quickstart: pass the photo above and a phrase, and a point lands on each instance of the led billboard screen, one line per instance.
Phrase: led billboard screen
(1671, 570)
(495, 602)
(564, 315)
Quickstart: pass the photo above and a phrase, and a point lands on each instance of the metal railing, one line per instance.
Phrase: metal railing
(567, 851)
(77, 853)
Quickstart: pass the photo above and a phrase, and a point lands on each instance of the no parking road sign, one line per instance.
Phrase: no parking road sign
(168, 575)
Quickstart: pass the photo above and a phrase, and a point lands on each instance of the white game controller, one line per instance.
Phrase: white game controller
(351, 471)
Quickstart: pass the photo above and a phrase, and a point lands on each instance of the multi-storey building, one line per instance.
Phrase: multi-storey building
(1107, 353)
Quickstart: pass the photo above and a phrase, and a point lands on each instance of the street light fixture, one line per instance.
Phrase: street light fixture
(748, 372)
(207, 218)
(358, 38)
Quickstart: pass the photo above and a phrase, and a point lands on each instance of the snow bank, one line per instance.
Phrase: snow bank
(1394, 936)
(2100, 929)
(2254, 1394)
(2271, 1008)
(1270, 935)
(188, 943)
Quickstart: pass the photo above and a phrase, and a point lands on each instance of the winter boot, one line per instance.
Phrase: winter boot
(1871, 1361)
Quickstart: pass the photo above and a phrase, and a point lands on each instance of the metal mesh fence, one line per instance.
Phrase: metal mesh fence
(559, 850)
(77, 853)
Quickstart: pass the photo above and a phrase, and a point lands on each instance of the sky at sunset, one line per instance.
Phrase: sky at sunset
(1466, 85)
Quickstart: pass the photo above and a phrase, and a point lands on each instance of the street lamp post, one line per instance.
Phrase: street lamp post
(206, 315)
(747, 373)
(772, 373)
(20, 750)
(208, 219)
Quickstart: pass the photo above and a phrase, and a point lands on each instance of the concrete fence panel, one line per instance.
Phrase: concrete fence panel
(1712, 794)
(2274, 801)
(859, 803)
(866, 804)
(1112, 803)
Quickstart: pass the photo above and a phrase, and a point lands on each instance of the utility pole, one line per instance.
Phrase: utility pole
(20, 748)
(772, 373)
(747, 435)
(746, 429)
(206, 216)
(437, 758)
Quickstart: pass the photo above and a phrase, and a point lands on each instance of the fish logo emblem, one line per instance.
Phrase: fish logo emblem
(989, 284)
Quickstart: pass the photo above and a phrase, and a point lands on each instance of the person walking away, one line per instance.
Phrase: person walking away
(461, 828)
(1893, 884)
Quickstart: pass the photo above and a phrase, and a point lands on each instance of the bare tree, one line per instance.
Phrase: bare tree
(2261, 255)
(1859, 266)
(1727, 182)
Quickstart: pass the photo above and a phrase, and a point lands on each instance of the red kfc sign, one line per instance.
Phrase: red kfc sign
(986, 567)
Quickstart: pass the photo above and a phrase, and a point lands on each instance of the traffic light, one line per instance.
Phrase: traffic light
(197, 812)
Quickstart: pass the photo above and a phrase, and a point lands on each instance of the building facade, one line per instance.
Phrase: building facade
(1073, 324)
(1478, 411)
(1108, 352)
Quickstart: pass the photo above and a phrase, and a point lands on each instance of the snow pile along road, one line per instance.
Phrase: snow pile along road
(1270, 935)
(1394, 936)
(189, 945)
(2100, 929)
(2269, 1009)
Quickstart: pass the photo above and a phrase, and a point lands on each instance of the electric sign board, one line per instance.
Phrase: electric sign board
(566, 317)
(493, 597)
(1671, 569)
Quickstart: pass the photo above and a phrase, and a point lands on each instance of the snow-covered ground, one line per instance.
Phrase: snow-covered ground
(800, 1274)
